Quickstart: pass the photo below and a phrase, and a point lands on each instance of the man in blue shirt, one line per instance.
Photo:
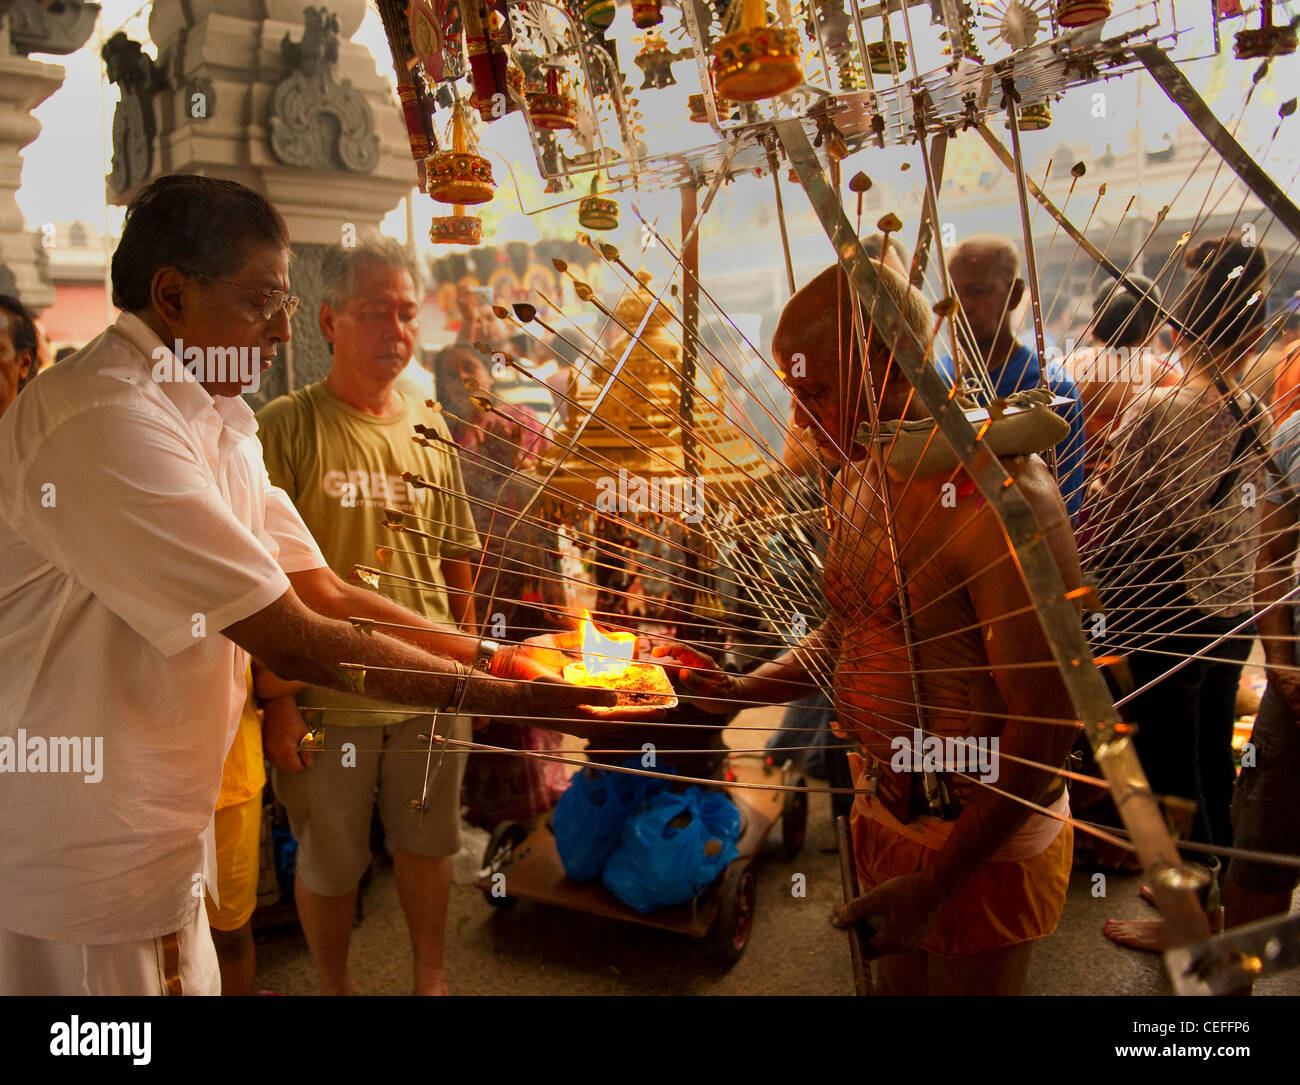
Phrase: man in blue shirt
(985, 275)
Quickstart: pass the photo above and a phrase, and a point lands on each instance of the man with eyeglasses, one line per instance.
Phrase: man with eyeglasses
(143, 553)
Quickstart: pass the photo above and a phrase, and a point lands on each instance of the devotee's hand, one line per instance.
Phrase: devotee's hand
(282, 729)
(899, 913)
(552, 699)
(708, 686)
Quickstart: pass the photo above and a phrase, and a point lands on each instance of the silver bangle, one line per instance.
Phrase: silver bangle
(487, 651)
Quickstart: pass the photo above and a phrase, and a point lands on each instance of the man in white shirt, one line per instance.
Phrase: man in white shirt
(143, 552)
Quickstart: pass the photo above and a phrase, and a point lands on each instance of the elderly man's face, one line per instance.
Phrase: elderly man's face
(222, 319)
(13, 366)
(227, 314)
(823, 402)
(374, 332)
(985, 289)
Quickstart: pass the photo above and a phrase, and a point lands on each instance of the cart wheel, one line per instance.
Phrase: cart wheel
(731, 930)
(497, 855)
(794, 819)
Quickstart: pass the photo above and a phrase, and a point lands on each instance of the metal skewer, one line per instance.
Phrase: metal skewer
(849, 883)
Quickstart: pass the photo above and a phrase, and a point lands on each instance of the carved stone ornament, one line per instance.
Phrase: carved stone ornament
(139, 80)
(58, 28)
(316, 121)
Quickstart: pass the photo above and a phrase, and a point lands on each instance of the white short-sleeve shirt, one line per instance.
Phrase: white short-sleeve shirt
(136, 522)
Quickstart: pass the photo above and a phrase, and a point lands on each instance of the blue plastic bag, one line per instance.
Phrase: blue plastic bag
(588, 819)
(673, 848)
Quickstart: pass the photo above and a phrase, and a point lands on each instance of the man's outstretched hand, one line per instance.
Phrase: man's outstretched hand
(549, 699)
(543, 656)
(707, 685)
(581, 711)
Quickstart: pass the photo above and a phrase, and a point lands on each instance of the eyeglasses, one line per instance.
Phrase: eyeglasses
(273, 300)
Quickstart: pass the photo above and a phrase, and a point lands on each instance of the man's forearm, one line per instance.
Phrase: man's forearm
(267, 685)
(787, 677)
(318, 646)
(429, 636)
(459, 575)
(990, 818)
(1273, 579)
(1274, 621)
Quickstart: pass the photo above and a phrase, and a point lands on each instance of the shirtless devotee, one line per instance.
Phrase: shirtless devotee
(955, 900)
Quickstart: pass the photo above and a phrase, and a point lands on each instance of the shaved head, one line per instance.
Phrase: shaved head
(985, 274)
(817, 322)
(816, 350)
(996, 255)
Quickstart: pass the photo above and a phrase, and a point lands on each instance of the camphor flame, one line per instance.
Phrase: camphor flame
(605, 654)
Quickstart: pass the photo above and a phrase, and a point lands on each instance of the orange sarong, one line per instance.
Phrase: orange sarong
(1002, 904)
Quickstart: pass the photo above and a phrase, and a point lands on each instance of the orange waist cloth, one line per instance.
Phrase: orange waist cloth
(1002, 904)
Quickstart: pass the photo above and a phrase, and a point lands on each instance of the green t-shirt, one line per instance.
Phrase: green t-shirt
(342, 467)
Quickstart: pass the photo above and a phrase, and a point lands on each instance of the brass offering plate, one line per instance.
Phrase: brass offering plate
(642, 684)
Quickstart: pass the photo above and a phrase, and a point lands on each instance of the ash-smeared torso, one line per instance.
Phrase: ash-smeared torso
(942, 684)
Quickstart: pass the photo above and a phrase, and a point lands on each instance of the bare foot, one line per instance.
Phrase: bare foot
(1147, 934)
(434, 987)
(1148, 896)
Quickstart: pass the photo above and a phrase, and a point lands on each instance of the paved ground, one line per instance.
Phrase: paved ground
(538, 950)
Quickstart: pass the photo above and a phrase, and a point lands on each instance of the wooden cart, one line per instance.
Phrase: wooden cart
(723, 913)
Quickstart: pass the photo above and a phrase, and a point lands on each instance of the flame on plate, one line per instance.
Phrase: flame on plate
(605, 655)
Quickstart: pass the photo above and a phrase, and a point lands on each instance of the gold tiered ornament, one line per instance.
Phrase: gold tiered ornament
(598, 14)
(460, 175)
(597, 212)
(457, 228)
(633, 438)
(647, 13)
(1034, 118)
(1267, 40)
(1075, 13)
(878, 57)
(759, 60)
(553, 108)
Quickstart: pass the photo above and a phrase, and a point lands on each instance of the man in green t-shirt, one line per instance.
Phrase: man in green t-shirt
(339, 449)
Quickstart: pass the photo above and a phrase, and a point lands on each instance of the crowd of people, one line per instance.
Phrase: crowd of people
(179, 572)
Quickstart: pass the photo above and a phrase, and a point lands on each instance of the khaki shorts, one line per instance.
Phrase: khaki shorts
(329, 804)
(239, 835)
